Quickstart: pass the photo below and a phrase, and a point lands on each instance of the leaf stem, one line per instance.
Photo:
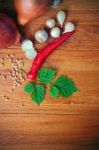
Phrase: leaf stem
(23, 71)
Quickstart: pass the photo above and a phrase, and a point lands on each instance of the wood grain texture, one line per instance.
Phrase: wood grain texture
(71, 124)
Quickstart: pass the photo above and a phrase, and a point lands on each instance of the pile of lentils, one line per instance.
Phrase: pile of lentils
(16, 73)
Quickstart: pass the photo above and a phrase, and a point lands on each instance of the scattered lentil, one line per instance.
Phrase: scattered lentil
(7, 56)
(4, 77)
(11, 90)
(11, 60)
(21, 105)
(13, 55)
(2, 59)
(4, 97)
(2, 64)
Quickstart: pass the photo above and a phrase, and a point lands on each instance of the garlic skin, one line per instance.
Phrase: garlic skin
(55, 32)
(69, 27)
(61, 16)
(31, 54)
(27, 45)
(41, 36)
(50, 23)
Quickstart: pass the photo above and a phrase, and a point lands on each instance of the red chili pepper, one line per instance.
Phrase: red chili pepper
(45, 52)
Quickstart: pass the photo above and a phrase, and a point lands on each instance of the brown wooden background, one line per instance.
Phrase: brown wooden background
(71, 124)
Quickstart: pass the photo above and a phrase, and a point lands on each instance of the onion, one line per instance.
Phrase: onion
(8, 32)
(28, 10)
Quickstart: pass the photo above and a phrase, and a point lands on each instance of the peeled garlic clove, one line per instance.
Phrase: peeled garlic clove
(61, 16)
(69, 27)
(55, 32)
(31, 54)
(27, 45)
(50, 23)
(41, 36)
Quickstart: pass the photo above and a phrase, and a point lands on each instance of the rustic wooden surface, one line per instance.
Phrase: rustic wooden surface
(71, 124)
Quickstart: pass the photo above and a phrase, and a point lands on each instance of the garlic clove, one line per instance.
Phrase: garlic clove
(50, 23)
(41, 36)
(61, 16)
(55, 3)
(27, 45)
(31, 54)
(69, 27)
(55, 32)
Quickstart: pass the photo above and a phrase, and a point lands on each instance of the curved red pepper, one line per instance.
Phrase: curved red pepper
(45, 52)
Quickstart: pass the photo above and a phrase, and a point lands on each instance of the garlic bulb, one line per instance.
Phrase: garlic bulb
(61, 16)
(50, 23)
(55, 32)
(69, 27)
(27, 45)
(31, 54)
(41, 36)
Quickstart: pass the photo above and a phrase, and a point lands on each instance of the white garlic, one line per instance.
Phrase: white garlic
(50, 23)
(55, 32)
(41, 36)
(31, 54)
(55, 3)
(61, 16)
(69, 27)
(27, 45)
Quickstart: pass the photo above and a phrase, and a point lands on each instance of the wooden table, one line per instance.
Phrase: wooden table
(71, 124)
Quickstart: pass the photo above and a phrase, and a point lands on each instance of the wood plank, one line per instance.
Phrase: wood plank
(81, 66)
(85, 38)
(41, 131)
(69, 124)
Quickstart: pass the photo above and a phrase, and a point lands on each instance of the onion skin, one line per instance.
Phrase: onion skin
(28, 10)
(8, 32)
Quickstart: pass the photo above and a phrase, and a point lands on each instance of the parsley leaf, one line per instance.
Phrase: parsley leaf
(65, 86)
(39, 94)
(29, 88)
(46, 75)
(54, 92)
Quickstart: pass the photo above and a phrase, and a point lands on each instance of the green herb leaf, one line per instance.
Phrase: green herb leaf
(29, 88)
(39, 94)
(46, 75)
(65, 86)
(54, 92)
